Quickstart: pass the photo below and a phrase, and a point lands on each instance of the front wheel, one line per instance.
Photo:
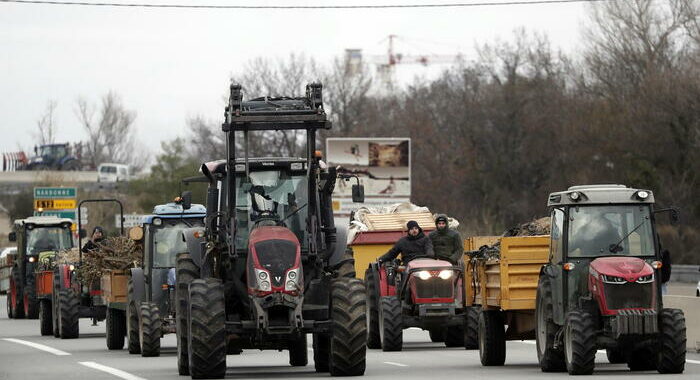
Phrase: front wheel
(150, 329)
(298, 353)
(391, 323)
(551, 359)
(348, 341)
(30, 302)
(186, 272)
(45, 317)
(373, 335)
(672, 341)
(579, 343)
(116, 329)
(68, 313)
(206, 340)
(132, 321)
(471, 329)
(492, 338)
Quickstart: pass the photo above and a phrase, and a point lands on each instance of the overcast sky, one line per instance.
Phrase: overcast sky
(168, 64)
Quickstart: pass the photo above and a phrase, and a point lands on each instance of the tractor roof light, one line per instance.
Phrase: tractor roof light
(157, 221)
(575, 196)
(642, 195)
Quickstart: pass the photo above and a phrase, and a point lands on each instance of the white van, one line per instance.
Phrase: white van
(109, 172)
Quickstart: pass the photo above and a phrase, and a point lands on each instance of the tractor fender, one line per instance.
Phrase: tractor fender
(194, 238)
(138, 279)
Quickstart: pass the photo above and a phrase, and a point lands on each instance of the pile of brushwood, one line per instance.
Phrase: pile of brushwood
(536, 227)
(113, 253)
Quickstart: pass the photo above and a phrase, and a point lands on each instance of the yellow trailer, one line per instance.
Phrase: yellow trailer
(504, 289)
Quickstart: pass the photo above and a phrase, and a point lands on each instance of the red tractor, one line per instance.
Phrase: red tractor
(426, 293)
(601, 288)
(259, 274)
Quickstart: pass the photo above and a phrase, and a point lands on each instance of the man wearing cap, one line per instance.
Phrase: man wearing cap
(447, 243)
(414, 245)
(93, 243)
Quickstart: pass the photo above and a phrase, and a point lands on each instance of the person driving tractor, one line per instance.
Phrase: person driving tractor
(447, 243)
(414, 245)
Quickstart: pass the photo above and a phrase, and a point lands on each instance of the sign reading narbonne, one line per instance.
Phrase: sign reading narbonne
(55, 192)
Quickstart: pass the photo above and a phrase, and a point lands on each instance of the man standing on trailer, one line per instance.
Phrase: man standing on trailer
(447, 243)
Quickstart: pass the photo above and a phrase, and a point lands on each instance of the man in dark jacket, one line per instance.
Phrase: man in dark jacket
(93, 243)
(413, 246)
(447, 243)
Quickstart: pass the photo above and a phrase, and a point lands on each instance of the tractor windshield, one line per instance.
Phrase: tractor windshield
(56, 238)
(168, 243)
(610, 230)
(275, 195)
(52, 151)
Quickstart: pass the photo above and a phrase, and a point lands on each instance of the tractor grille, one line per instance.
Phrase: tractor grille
(629, 295)
(276, 256)
(434, 288)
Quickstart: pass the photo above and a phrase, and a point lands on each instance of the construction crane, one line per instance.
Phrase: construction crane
(386, 63)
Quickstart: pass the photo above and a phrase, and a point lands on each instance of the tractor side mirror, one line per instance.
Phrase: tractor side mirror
(82, 233)
(674, 215)
(186, 200)
(358, 193)
(36, 150)
(136, 233)
(12, 236)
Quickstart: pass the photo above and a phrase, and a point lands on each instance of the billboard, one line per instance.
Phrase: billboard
(383, 166)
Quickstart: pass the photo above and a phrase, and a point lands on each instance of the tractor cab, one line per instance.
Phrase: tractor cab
(53, 157)
(37, 237)
(601, 285)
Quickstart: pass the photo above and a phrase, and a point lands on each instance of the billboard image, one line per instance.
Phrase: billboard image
(383, 166)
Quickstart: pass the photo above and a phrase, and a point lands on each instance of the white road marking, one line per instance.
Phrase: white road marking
(38, 346)
(694, 297)
(396, 364)
(112, 371)
(603, 351)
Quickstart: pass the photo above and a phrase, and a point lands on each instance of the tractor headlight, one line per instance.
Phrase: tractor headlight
(261, 277)
(292, 281)
(612, 279)
(32, 259)
(71, 267)
(646, 279)
(157, 221)
(424, 275)
(445, 274)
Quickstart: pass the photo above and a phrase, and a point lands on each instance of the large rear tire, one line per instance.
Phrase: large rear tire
(186, 272)
(45, 318)
(471, 329)
(373, 336)
(30, 302)
(68, 313)
(207, 329)
(579, 343)
(132, 321)
(116, 329)
(348, 343)
(16, 294)
(322, 352)
(615, 355)
(672, 341)
(150, 329)
(551, 359)
(298, 353)
(492, 338)
(391, 324)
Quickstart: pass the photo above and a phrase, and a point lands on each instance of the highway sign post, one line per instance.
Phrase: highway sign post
(57, 201)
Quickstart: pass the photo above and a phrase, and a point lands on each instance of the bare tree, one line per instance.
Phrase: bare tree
(206, 139)
(46, 125)
(347, 98)
(111, 132)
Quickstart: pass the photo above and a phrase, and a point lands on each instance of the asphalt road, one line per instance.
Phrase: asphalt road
(88, 358)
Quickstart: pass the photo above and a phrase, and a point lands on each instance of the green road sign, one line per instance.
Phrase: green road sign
(55, 192)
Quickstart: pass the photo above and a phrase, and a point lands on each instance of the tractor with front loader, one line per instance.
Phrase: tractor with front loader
(260, 274)
(601, 288)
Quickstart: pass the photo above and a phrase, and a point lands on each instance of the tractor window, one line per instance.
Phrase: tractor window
(167, 241)
(272, 195)
(595, 231)
(41, 239)
(556, 247)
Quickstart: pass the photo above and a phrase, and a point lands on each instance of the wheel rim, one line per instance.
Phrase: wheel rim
(568, 347)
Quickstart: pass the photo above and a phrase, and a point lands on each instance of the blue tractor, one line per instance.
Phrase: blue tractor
(54, 157)
(149, 309)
